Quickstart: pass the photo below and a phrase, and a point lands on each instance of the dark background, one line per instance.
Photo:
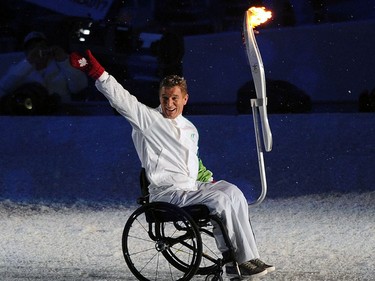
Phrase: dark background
(116, 40)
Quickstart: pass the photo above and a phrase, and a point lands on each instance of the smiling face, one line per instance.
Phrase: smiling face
(172, 101)
(173, 96)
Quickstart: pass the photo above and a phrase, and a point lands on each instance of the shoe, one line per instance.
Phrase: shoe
(246, 269)
(259, 263)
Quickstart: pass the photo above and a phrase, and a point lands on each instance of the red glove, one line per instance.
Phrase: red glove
(87, 64)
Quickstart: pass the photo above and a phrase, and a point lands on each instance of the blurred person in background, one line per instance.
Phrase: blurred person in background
(42, 81)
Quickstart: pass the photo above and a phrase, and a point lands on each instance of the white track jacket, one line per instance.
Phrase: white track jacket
(167, 148)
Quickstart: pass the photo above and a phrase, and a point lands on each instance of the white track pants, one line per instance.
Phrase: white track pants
(228, 202)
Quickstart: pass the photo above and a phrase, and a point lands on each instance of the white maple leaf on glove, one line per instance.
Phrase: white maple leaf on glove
(82, 62)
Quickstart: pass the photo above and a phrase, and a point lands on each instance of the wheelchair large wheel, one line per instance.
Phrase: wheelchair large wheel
(161, 241)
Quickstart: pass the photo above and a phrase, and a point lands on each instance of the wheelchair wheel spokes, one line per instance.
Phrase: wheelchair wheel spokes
(183, 245)
(161, 250)
(210, 253)
(138, 247)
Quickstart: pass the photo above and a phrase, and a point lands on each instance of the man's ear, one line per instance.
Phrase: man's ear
(186, 99)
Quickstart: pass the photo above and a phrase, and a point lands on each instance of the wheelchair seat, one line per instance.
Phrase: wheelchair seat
(196, 211)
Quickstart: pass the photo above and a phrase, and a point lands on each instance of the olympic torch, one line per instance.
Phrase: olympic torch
(254, 17)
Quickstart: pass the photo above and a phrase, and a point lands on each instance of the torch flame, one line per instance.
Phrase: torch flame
(257, 16)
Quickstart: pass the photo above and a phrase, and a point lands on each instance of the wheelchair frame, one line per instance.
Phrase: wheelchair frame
(162, 241)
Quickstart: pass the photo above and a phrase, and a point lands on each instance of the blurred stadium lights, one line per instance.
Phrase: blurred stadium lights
(83, 32)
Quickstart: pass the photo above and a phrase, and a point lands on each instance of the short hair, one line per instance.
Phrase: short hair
(172, 81)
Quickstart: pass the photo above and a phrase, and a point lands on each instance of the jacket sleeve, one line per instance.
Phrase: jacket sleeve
(139, 115)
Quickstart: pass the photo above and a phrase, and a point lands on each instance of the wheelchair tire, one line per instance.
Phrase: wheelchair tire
(161, 241)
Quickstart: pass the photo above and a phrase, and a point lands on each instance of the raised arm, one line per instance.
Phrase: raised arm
(138, 114)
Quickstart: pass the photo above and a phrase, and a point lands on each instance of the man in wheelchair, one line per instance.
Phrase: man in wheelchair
(167, 145)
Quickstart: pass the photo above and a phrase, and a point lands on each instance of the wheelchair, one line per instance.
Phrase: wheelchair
(162, 241)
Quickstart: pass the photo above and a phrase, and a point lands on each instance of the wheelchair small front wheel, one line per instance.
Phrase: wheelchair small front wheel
(161, 241)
